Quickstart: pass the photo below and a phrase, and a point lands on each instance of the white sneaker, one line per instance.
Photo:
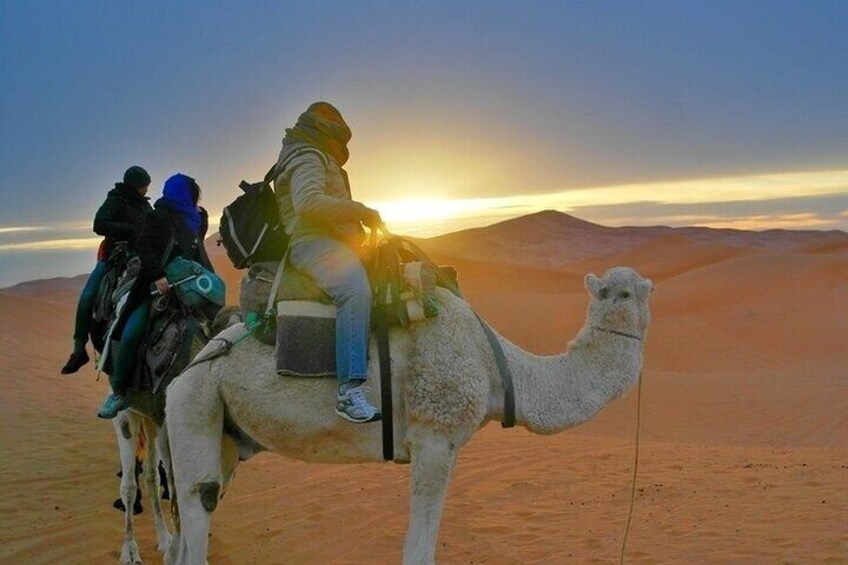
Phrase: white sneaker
(354, 407)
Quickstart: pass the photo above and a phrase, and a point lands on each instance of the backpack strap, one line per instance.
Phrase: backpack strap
(169, 248)
(270, 308)
(297, 153)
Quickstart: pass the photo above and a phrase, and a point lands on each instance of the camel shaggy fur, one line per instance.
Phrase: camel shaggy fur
(447, 386)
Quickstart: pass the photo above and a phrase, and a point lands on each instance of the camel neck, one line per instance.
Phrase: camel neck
(553, 393)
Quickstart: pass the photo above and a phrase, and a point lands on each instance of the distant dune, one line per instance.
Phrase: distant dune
(745, 435)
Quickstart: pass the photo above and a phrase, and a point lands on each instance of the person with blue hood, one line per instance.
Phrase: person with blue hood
(175, 227)
(119, 219)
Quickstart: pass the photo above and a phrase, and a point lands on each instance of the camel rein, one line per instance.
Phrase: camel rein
(636, 451)
(617, 332)
(635, 469)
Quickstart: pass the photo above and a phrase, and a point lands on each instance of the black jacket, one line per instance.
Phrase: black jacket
(121, 216)
(153, 242)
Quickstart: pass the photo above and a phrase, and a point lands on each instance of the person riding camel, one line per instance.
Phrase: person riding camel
(325, 228)
(175, 227)
(119, 218)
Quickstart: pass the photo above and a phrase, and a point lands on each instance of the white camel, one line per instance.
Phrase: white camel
(447, 386)
(146, 418)
(130, 427)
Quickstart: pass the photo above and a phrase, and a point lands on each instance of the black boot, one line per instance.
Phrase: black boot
(76, 360)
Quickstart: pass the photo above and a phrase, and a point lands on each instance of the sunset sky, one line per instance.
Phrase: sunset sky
(723, 114)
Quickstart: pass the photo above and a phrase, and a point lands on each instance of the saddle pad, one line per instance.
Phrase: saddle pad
(256, 286)
(306, 339)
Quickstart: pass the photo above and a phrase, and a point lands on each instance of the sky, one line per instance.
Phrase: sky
(721, 113)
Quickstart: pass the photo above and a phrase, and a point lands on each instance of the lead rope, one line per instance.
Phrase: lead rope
(635, 470)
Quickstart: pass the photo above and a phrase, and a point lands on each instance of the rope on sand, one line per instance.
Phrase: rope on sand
(635, 470)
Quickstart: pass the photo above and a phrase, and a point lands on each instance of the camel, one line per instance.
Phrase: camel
(447, 386)
(146, 418)
(130, 426)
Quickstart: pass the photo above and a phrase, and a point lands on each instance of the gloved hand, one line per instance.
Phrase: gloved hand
(371, 218)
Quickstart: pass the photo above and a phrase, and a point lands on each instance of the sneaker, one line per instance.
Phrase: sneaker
(112, 406)
(354, 407)
(76, 360)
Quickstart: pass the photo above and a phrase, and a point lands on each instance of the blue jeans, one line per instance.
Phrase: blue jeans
(126, 353)
(85, 305)
(339, 272)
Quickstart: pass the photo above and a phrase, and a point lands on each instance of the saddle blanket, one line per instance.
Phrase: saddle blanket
(306, 339)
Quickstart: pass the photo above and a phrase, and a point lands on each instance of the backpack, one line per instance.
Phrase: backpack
(251, 229)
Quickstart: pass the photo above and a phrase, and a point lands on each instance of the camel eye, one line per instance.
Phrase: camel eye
(624, 294)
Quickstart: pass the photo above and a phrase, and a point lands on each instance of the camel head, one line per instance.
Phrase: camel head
(619, 301)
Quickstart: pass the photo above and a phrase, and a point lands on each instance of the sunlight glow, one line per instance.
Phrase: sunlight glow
(425, 217)
(434, 215)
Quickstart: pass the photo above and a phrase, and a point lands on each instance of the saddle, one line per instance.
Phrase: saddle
(404, 283)
(172, 329)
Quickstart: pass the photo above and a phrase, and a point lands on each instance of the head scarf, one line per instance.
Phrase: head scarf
(180, 195)
(322, 125)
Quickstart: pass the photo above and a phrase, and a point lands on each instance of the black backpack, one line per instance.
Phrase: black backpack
(251, 229)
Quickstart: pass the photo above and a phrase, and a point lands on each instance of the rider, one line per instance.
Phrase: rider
(324, 224)
(176, 227)
(119, 218)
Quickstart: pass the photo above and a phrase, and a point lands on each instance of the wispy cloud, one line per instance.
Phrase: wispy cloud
(21, 229)
(61, 236)
(53, 245)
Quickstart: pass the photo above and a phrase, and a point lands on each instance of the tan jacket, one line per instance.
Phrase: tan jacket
(314, 199)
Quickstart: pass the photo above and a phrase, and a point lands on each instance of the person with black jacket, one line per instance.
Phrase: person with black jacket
(175, 227)
(119, 218)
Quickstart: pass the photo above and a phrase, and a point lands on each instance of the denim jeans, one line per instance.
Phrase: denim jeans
(126, 354)
(82, 325)
(339, 272)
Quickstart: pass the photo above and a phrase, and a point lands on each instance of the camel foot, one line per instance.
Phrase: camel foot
(130, 554)
(163, 540)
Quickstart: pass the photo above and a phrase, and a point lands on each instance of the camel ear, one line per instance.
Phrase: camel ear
(644, 288)
(593, 285)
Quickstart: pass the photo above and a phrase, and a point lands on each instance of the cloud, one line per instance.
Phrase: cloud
(61, 236)
(21, 229)
(53, 245)
(802, 212)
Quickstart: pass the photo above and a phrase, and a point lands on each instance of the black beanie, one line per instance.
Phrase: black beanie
(136, 177)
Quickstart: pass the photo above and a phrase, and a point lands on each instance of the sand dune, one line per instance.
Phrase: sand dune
(745, 438)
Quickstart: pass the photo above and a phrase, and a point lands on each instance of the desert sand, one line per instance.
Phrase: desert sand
(744, 449)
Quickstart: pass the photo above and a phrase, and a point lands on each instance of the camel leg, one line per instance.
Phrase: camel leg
(127, 428)
(195, 425)
(151, 479)
(229, 461)
(433, 458)
(176, 547)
